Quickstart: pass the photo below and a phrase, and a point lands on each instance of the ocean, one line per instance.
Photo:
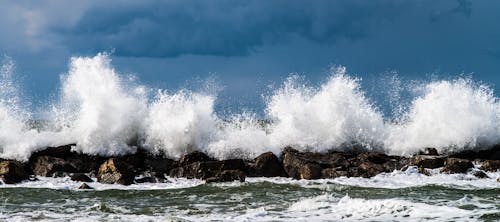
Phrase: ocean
(108, 114)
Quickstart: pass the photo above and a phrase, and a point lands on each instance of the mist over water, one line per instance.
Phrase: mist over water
(106, 113)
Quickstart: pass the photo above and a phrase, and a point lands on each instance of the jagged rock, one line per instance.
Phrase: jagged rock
(193, 157)
(146, 180)
(491, 153)
(481, 174)
(158, 166)
(116, 171)
(369, 169)
(429, 151)
(227, 176)
(267, 165)
(309, 171)
(427, 161)
(424, 171)
(63, 159)
(491, 165)
(47, 166)
(85, 186)
(204, 170)
(456, 165)
(81, 177)
(330, 173)
(12, 172)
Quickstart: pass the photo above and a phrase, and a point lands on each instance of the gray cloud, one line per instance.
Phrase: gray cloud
(223, 28)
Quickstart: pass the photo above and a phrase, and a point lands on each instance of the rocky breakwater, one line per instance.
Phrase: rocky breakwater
(146, 167)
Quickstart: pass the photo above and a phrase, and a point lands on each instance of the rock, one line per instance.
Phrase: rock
(302, 165)
(85, 186)
(193, 157)
(490, 153)
(491, 165)
(65, 159)
(456, 165)
(310, 171)
(267, 165)
(116, 171)
(227, 176)
(146, 180)
(424, 171)
(47, 166)
(204, 170)
(330, 173)
(369, 169)
(429, 151)
(12, 172)
(81, 177)
(427, 161)
(481, 174)
(158, 166)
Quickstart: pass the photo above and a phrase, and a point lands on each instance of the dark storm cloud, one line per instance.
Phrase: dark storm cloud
(223, 28)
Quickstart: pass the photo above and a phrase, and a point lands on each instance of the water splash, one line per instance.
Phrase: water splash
(104, 113)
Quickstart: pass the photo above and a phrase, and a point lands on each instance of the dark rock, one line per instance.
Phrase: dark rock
(377, 158)
(193, 157)
(490, 153)
(481, 174)
(116, 171)
(63, 157)
(369, 169)
(491, 165)
(146, 180)
(204, 170)
(81, 177)
(46, 166)
(158, 166)
(429, 151)
(330, 173)
(227, 176)
(456, 165)
(427, 161)
(85, 186)
(424, 171)
(309, 171)
(267, 165)
(12, 171)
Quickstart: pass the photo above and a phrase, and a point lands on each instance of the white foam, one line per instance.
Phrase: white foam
(105, 113)
(324, 118)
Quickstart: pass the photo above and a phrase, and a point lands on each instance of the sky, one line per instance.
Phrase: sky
(249, 46)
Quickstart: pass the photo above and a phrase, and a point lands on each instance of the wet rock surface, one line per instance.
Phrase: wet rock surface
(143, 167)
(12, 171)
(116, 171)
(457, 165)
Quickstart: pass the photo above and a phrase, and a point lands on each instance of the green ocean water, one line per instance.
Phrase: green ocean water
(258, 200)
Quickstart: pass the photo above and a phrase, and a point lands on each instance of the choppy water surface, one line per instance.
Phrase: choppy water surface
(396, 196)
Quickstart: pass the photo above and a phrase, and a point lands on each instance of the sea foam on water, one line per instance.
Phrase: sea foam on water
(105, 113)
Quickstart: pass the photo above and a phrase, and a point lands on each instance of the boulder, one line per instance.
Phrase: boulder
(227, 176)
(309, 171)
(116, 171)
(12, 172)
(63, 158)
(330, 173)
(81, 177)
(427, 161)
(85, 186)
(456, 165)
(491, 165)
(48, 166)
(267, 165)
(158, 166)
(481, 174)
(204, 170)
(429, 151)
(193, 157)
(487, 153)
